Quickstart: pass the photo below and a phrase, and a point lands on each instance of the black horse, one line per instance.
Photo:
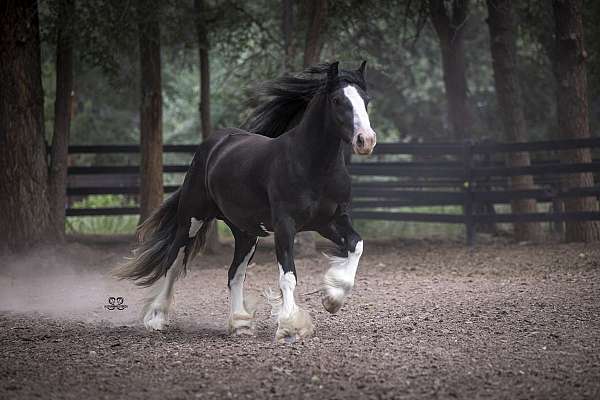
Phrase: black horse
(290, 182)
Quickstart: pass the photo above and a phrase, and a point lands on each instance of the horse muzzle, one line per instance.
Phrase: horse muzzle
(364, 142)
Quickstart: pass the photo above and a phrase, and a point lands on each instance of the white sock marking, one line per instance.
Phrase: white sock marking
(339, 279)
(236, 286)
(157, 307)
(287, 284)
(293, 322)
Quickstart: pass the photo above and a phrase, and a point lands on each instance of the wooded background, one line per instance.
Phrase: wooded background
(150, 72)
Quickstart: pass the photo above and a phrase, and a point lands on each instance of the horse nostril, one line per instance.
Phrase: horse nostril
(360, 141)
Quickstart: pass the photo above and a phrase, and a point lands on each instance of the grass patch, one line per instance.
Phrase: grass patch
(103, 225)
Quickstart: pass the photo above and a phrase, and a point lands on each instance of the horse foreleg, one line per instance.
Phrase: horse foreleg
(339, 278)
(293, 322)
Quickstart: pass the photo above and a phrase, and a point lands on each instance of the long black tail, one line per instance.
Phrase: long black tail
(158, 245)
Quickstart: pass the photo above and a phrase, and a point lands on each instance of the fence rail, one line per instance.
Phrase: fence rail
(398, 175)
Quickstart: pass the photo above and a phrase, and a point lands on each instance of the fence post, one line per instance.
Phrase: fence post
(485, 184)
(557, 209)
(467, 190)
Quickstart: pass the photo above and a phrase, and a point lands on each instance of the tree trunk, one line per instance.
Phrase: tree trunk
(212, 235)
(24, 215)
(287, 29)
(317, 17)
(450, 25)
(572, 104)
(151, 166)
(62, 117)
(203, 48)
(501, 23)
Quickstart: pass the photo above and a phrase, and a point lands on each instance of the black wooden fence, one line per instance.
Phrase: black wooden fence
(470, 176)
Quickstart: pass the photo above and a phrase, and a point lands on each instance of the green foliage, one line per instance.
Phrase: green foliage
(224, 231)
(404, 66)
(246, 48)
(103, 225)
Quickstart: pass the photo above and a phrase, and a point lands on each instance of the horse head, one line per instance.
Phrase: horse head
(349, 100)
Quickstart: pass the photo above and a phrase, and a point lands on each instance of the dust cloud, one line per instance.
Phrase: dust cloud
(68, 282)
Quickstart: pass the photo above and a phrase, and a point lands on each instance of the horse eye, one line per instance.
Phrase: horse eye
(336, 100)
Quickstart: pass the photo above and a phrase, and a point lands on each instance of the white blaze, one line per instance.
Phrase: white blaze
(361, 118)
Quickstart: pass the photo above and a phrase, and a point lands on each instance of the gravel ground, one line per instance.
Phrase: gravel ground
(426, 320)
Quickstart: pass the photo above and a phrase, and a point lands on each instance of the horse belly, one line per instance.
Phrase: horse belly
(243, 204)
(254, 221)
(236, 183)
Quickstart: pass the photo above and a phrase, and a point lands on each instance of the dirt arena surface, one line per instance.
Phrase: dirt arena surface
(426, 320)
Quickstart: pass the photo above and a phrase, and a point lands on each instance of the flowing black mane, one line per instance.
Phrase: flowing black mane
(285, 99)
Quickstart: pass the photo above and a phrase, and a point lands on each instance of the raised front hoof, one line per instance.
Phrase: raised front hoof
(332, 305)
(333, 299)
(156, 320)
(297, 326)
(241, 325)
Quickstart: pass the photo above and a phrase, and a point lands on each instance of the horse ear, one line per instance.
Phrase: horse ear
(333, 72)
(361, 69)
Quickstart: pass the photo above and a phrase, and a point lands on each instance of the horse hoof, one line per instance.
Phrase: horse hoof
(333, 298)
(241, 325)
(286, 337)
(289, 339)
(295, 327)
(155, 320)
(242, 331)
(331, 304)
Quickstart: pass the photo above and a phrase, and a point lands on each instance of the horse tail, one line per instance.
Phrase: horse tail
(160, 240)
(157, 249)
(164, 218)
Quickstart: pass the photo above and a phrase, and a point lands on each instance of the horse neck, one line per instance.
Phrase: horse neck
(315, 141)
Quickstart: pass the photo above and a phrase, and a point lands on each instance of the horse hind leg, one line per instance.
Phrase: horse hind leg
(158, 304)
(189, 239)
(195, 213)
(241, 319)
